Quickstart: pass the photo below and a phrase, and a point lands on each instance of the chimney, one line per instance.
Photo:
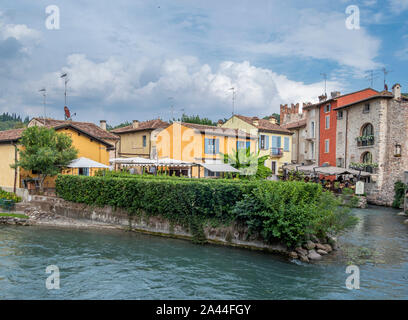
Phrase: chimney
(335, 94)
(255, 121)
(135, 124)
(323, 97)
(272, 120)
(103, 124)
(220, 123)
(396, 91)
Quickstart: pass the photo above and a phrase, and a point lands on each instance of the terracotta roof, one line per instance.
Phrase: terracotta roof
(87, 127)
(145, 125)
(264, 125)
(297, 124)
(335, 98)
(218, 130)
(11, 135)
(383, 94)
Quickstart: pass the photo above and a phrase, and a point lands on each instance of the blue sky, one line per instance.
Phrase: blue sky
(130, 59)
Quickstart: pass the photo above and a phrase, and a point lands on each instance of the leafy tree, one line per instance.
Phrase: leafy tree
(275, 115)
(12, 121)
(45, 151)
(249, 163)
(121, 125)
(194, 119)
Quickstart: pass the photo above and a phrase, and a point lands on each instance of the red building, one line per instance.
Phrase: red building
(328, 121)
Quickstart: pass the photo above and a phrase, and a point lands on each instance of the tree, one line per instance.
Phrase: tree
(45, 151)
(195, 119)
(249, 163)
(275, 115)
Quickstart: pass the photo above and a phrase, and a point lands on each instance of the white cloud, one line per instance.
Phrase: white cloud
(397, 6)
(195, 87)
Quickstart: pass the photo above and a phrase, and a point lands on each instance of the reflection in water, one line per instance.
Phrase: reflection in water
(122, 265)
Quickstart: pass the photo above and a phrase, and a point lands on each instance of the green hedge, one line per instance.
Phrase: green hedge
(274, 209)
(9, 196)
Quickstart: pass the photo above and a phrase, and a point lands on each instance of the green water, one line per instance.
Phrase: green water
(121, 265)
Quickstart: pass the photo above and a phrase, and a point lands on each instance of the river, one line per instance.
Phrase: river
(112, 264)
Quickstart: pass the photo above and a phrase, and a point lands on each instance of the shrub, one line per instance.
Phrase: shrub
(9, 196)
(276, 210)
(399, 194)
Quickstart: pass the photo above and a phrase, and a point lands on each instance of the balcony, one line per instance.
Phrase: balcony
(365, 141)
(276, 152)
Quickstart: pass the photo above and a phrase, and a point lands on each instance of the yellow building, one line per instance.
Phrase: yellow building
(202, 145)
(272, 139)
(138, 139)
(89, 139)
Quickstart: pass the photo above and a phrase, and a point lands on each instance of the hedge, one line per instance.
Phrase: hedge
(275, 209)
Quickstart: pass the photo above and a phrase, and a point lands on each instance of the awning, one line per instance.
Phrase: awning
(143, 162)
(86, 163)
(331, 171)
(219, 167)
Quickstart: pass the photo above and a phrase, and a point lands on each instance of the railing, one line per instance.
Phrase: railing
(365, 141)
(277, 152)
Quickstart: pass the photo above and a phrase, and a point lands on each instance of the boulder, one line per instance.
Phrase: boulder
(314, 238)
(406, 221)
(313, 255)
(328, 248)
(331, 240)
(402, 214)
(309, 245)
(321, 252)
(293, 255)
(303, 258)
(301, 251)
(320, 246)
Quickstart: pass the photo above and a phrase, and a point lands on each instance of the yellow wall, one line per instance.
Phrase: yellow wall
(183, 143)
(7, 157)
(131, 144)
(237, 123)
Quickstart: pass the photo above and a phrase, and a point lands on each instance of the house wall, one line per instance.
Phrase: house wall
(327, 134)
(7, 156)
(131, 144)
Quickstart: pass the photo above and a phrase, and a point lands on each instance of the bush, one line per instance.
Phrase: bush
(276, 210)
(9, 196)
(399, 194)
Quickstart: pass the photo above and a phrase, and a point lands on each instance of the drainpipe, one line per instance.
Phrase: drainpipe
(345, 144)
(15, 169)
(298, 146)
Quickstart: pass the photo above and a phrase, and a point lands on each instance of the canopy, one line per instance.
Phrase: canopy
(219, 167)
(328, 170)
(86, 163)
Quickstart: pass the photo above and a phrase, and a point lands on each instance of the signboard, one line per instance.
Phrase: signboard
(360, 187)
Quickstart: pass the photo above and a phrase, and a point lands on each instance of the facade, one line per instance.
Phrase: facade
(374, 131)
(200, 144)
(138, 139)
(305, 128)
(84, 138)
(272, 139)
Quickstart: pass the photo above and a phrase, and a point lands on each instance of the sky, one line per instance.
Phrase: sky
(139, 60)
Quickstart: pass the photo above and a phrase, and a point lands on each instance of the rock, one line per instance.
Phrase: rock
(402, 214)
(328, 248)
(309, 245)
(313, 255)
(331, 240)
(406, 221)
(321, 252)
(320, 246)
(304, 258)
(301, 251)
(293, 255)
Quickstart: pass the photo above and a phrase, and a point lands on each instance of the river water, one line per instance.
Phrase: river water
(102, 264)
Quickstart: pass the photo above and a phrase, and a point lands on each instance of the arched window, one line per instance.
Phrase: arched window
(367, 157)
(367, 130)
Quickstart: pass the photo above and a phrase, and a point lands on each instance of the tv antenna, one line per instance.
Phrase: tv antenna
(324, 75)
(65, 77)
(385, 72)
(371, 76)
(44, 94)
(233, 98)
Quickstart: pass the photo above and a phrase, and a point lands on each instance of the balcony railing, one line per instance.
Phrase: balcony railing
(365, 141)
(277, 152)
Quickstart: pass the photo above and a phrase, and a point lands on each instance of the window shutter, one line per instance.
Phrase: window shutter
(266, 142)
(248, 144)
(217, 146)
(274, 142)
(206, 146)
(259, 143)
(279, 141)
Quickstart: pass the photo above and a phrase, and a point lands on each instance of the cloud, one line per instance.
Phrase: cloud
(195, 87)
(322, 35)
(397, 6)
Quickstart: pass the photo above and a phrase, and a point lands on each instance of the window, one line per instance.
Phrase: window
(276, 145)
(366, 108)
(326, 146)
(144, 141)
(264, 142)
(367, 157)
(327, 108)
(273, 168)
(83, 171)
(312, 149)
(211, 146)
(340, 162)
(367, 136)
(340, 115)
(286, 144)
(312, 125)
(243, 145)
(327, 122)
(367, 130)
(340, 137)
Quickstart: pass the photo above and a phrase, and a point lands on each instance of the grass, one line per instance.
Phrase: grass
(14, 215)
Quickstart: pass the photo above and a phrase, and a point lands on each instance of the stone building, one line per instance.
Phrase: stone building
(305, 128)
(373, 132)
